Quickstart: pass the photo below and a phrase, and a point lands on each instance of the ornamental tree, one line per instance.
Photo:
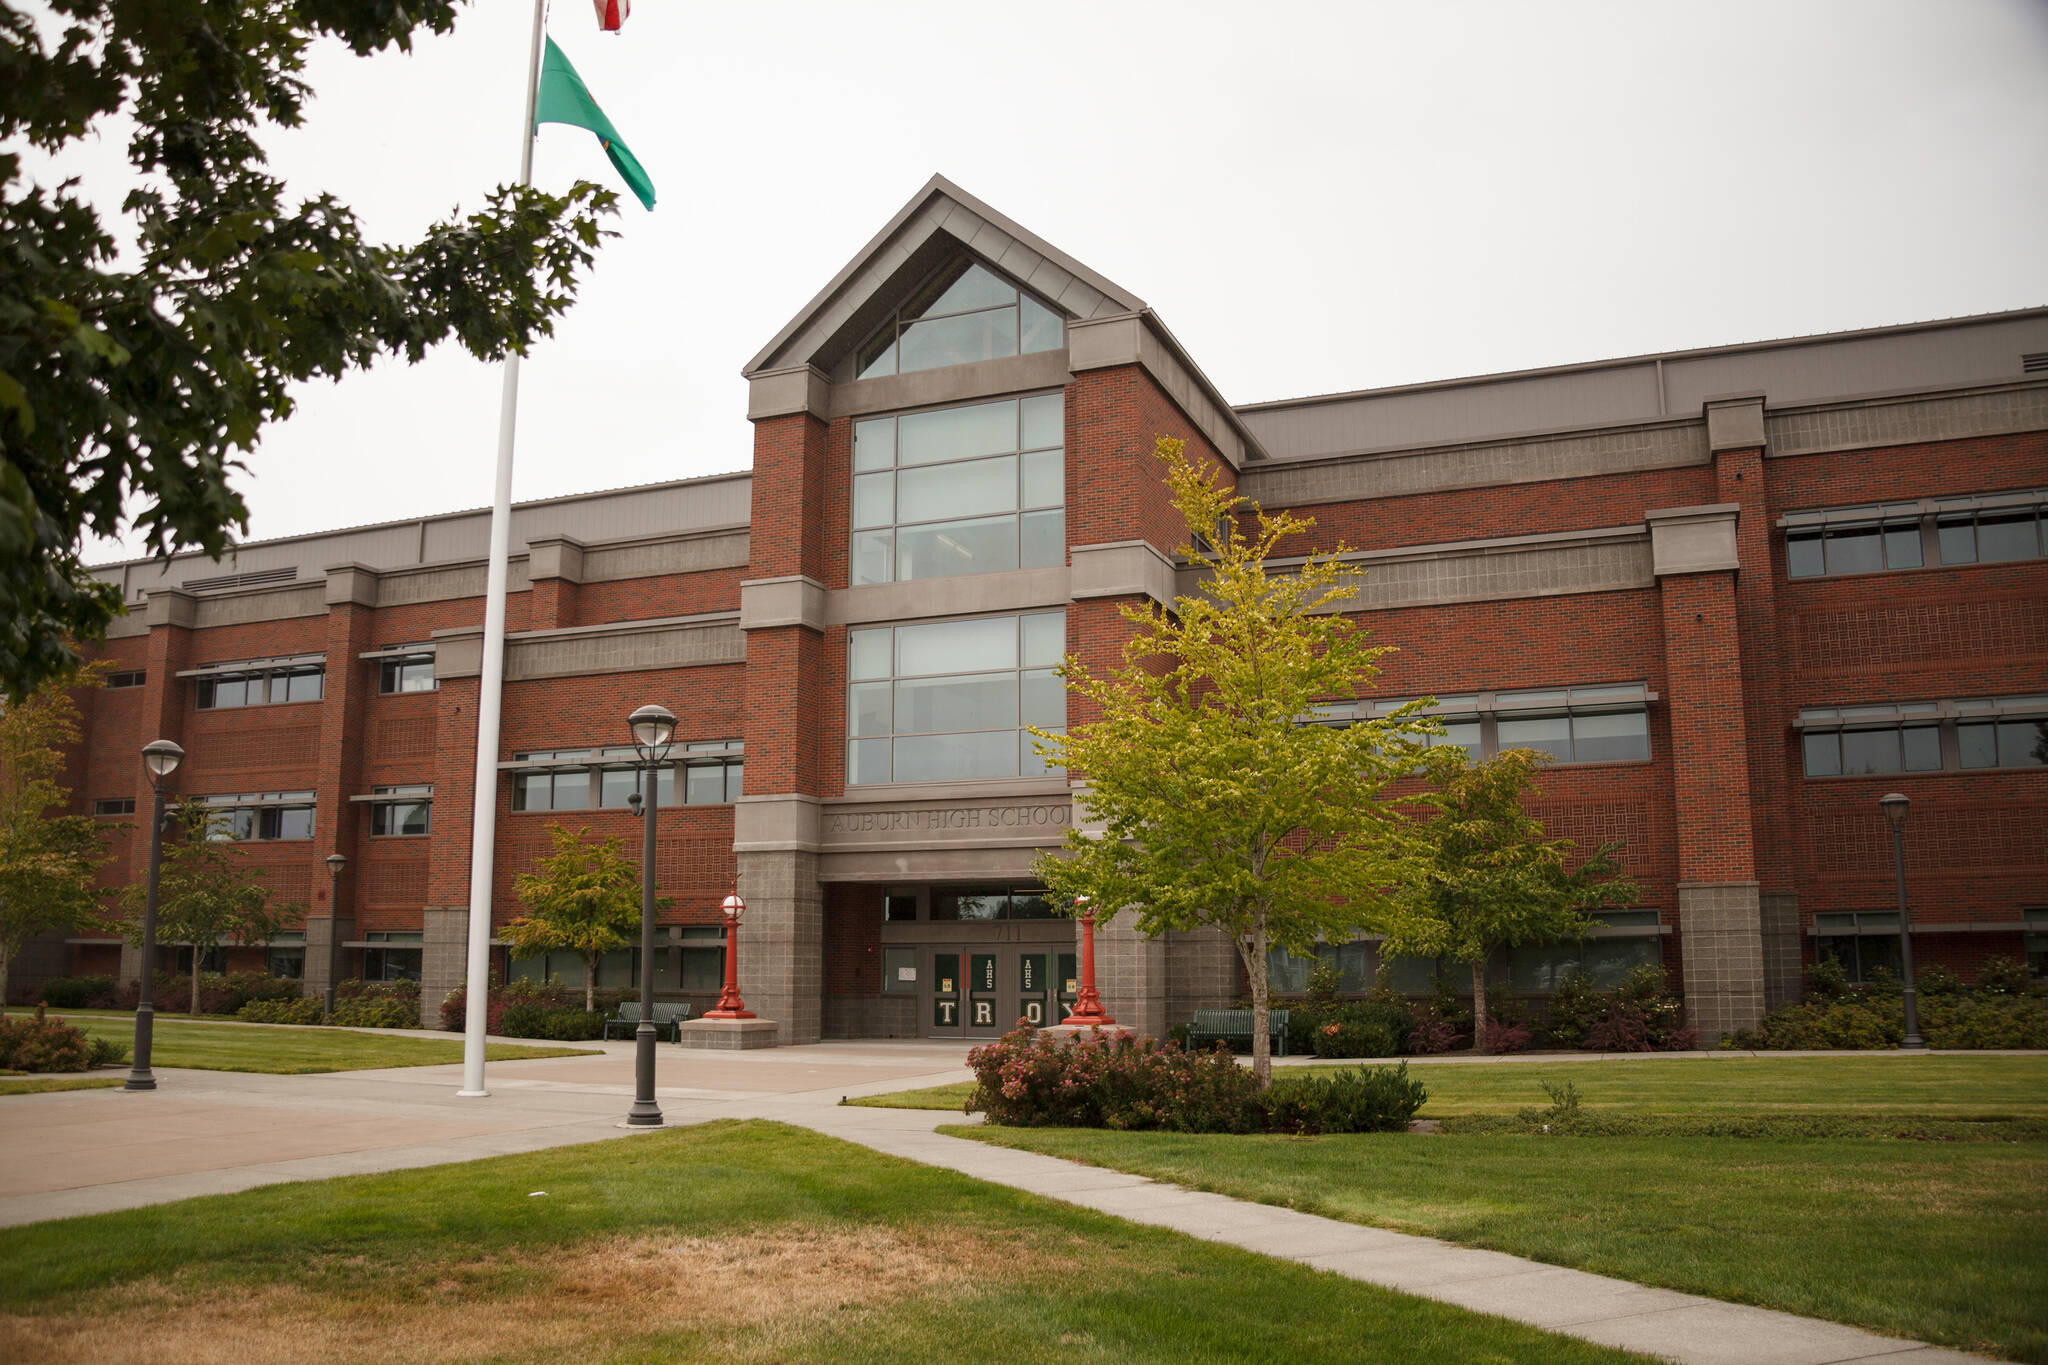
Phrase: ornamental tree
(584, 898)
(47, 860)
(1491, 880)
(139, 355)
(1214, 797)
(208, 891)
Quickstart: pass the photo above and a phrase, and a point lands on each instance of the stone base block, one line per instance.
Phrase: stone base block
(1061, 1032)
(728, 1035)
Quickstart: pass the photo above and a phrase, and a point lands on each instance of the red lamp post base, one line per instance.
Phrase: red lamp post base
(1088, 1011)
(729, 1005)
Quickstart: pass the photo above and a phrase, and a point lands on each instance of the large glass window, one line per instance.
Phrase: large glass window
(1989, 528)
(1907, 737)
(975, 489)
(406, 673)
(1991, 536)
(402, 810)
(1598, 724)
(964, 313)
(1861, 942)
(383, 961)
(259, 687)
(948, 700)
(259, 815)
(984, 903)
(712, 772)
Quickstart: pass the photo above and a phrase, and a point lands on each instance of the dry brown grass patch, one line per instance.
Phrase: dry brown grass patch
(776, 1286)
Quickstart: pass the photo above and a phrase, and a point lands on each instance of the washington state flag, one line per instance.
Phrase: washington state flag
(563, 98)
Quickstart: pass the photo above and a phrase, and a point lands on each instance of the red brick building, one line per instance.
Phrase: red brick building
(1739, 593)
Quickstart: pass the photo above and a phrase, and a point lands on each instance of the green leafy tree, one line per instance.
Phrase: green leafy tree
(584, 898)
(208, 892)
(47, 861)
(130, 378)
(1209, 801)
(1492, 880)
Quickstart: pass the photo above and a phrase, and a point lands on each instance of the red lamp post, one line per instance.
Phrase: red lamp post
(730, 1006)
(1088, 1011)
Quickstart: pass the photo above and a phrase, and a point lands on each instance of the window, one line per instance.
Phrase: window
(1924, 736)
(215, 961)
(948, 701)
(405, 673)
(133, 678)
(899, 971)
(703, 957)
(899, 905)
(406, 811)
(980, 904)
(1989, 528)
(1862, 941)
(117, 805)
(1622, 941)
(1594, 724)
(260, 815)
(964, 313)
(219, 691)
(976, 489)
(712, 773)
(2037, 942)
(388, 958)
(286, 955)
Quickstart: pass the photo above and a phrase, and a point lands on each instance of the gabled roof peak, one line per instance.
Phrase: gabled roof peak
(939, 221)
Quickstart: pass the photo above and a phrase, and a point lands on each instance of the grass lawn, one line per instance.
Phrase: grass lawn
(747, 1242)
(1877, 1085)
(38, 1085)
(1947, 1242)
(292, 1051)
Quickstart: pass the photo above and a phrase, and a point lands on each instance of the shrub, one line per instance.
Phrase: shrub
(1503, 1037)
(2002, 975)
(1428, 1035)
(77, 992)
(106, 1051)
(1372, 1099)
(1638, 1017)
(1827, 979)
(549, 995)
(1371, 1029)
(1936, 979)
(43, 1045)
(377, 1004)
(531, 1020)
(301, 1011)
(1092, 1081)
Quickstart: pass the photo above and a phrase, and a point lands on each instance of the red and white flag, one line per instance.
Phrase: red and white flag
(612, 13)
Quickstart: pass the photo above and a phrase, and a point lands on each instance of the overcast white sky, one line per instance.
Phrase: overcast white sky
(1315, 197)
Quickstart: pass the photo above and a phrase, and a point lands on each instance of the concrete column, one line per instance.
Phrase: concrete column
(444, 962)
(1202, 973)
(1130, 975)
(131, 962)
(782, 941)
(1784, 964)
(320, 931)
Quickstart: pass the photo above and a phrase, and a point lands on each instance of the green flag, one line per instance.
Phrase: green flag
(564, 99)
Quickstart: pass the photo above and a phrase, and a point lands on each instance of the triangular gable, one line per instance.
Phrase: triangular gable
(939, 221)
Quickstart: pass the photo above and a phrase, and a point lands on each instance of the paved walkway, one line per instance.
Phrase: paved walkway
(207, 1132)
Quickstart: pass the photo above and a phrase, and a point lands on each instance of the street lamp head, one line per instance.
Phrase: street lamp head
(336, 862)
(161, 757)
(1894, 806)
(633, 802)
(733, 907)
(652, 727)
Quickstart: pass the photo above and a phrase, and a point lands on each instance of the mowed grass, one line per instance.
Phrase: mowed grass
(41, 1085)
(1944, 1242)
(741, 1242)
(296, 1051)
(1884, 1084)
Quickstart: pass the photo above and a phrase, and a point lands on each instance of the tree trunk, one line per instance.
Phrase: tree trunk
(6, 962)
(1479, 1005)
(1262, 1043)
(198, 958)
(589, 985)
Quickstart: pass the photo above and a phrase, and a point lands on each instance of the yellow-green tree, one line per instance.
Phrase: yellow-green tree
(1492, 880)
(583, 898)
(209, 892)
(1214, 797)
(47, 860)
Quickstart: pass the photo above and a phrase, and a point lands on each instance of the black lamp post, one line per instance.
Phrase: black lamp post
(653, 727)
(1894, 806)
(335, 863)
(160, 758)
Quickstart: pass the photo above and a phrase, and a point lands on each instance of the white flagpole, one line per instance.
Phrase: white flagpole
(483, 832)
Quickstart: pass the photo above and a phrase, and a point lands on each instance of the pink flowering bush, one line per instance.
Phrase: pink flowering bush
(1098, 1081)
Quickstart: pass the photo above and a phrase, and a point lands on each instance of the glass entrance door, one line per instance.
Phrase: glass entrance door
(980, 992)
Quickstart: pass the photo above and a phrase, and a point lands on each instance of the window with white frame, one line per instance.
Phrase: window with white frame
(1984, 528)
(404, 810)
(948, 701)
(406, 671)
(1924, 736)
(259, 816)
(973, 489)
(963, 313)
(224, 689)
(1605, 723)
(711, 773)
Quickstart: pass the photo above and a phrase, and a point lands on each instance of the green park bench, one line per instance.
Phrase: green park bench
(1209, 1025)
(667, 1019)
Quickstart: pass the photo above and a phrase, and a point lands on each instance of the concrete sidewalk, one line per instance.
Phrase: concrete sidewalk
(205, 1132)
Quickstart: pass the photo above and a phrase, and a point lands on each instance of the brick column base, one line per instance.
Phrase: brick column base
(1720, 933)
(782, 942)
